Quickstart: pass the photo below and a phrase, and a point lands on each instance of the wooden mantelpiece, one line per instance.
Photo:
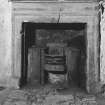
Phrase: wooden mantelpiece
(66, 12)
(55, 0)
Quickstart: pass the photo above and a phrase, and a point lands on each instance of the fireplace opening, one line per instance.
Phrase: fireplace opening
(51, 50)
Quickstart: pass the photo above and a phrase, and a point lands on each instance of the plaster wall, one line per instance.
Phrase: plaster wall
(5, 42)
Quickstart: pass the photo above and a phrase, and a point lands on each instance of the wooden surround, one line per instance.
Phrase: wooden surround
(66, 12)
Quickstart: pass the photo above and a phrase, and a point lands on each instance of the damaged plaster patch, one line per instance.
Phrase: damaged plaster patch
(102, 48)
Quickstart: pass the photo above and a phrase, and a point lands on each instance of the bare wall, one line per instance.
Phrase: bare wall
(5, 42)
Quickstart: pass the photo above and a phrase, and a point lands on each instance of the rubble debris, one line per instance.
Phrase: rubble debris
(47, 96)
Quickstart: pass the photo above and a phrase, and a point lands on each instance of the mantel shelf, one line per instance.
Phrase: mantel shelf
(80, 1)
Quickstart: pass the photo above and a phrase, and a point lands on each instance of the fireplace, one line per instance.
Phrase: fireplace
(50, 48)
(36, 25)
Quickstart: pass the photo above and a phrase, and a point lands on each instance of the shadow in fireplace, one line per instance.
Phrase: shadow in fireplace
(53, 50)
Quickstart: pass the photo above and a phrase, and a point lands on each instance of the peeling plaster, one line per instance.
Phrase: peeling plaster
(102, 46)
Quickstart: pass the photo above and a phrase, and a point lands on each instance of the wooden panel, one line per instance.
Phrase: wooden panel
(72, 55)
(34, 66)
